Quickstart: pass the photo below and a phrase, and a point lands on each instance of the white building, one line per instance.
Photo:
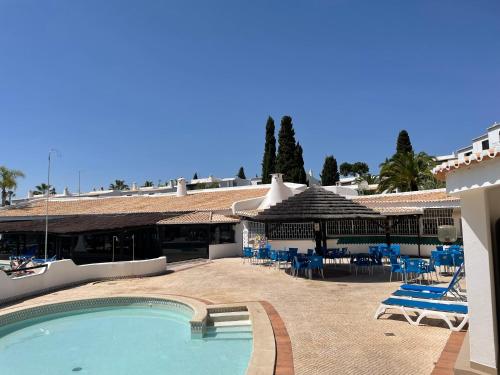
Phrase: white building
(474, 176)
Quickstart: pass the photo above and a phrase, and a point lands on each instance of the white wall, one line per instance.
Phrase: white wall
(476, 225)
(478, 175)
(406, 249)
(225, 250)
(302, 245)
(65, 272)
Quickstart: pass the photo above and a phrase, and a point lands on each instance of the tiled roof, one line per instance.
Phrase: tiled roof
(248, 213)
(423, 196)
(410, 203)
(200, 217)
(202, 201)
(479, 157)
(83, 223)
(398, 210)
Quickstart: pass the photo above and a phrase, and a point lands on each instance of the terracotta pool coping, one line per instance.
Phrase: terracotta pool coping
(446, 362)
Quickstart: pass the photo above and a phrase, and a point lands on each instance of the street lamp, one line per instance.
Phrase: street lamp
(47, 205)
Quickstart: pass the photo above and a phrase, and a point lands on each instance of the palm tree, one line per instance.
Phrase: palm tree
(406, 171)
(42, 189)
(118, 185)
(148, 183)
(8, 181)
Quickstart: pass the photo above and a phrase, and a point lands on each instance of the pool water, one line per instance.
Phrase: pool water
(117, 340)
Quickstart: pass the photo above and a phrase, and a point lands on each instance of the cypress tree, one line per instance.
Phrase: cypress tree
(241, 174)
(299, 173)
(286, 159)
(269, 159)
(403, 143)
(330, 174)
(195, 177)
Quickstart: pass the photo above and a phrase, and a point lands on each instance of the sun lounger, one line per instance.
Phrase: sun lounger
(452, 287)
(426, 309)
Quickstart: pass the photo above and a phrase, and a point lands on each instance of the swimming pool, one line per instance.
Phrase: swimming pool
(131, 339)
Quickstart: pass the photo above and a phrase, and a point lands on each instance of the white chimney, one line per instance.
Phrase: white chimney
(134, 186)
(277, 193)
(66, 192)
(30, 194)
(181, 187)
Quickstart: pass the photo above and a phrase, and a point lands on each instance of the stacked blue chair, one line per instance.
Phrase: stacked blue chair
(310, 251)
(247, 254)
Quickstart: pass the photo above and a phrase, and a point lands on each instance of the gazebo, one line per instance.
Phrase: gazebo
(319, 206)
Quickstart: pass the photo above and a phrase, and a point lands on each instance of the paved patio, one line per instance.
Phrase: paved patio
(330, 322)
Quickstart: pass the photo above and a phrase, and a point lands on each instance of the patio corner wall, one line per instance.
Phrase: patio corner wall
(65, 273)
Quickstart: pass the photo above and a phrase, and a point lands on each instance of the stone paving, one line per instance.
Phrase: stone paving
(330, 322)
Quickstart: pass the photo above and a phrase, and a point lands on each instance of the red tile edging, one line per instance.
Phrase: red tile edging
(284, 355)
(448, 357)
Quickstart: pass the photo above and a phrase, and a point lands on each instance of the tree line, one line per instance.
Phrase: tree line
(406, 170)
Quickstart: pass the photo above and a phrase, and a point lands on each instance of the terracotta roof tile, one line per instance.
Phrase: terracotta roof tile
(478, 157)
(437, 195)
(200, 217)
(199, 201)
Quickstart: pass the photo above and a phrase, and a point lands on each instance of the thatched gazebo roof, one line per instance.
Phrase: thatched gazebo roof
(314, 204)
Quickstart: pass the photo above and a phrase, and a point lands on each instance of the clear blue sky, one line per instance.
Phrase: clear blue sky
(159, 89)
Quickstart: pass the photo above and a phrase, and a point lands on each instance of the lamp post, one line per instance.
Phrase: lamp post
(47, 207)
(79, 191)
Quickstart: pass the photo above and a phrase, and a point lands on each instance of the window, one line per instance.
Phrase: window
(485, 144)
(222, 233)
(434, 217)
(291, 231)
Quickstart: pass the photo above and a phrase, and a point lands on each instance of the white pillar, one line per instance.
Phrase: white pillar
(480, 281)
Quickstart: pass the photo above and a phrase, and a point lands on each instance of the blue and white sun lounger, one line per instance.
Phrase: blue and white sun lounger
(426, 309)
(433, 292)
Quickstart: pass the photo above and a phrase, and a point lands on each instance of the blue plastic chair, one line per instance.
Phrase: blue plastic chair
(439, 248)
(453, 287)
(363, 261)
(315, 263)
(415, 267)
(457, 259)
(395, 249)
(298, 263)
(442, 259)
(262, 254)
(292, 252)
(310, 251)
(397, 267)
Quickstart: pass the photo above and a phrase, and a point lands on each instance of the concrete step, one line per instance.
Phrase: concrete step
(231, 323)
(229, 316)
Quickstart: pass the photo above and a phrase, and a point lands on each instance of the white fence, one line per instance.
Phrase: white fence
(65, 273)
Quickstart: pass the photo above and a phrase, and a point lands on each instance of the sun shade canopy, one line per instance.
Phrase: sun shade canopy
(316, 203)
